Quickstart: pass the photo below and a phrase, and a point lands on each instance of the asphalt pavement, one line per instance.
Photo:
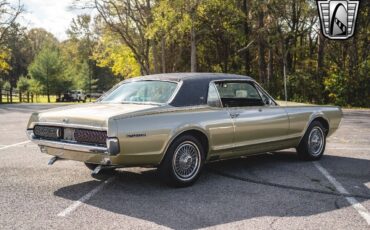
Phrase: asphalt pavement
(269, 191)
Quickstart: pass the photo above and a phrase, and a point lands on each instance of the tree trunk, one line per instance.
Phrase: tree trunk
(353, 60)
(310, 45)
(344, 56)
(11, 94)
(247, 61)
(155, 57)
(320, 57)
(193, 55)
(47, 84)
(289, 56)
(20, 96)
(261, 49)
(1, 95)
(320, 67)
(270, 68)
(163, 54)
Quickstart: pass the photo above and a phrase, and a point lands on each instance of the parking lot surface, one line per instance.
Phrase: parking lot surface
(269, 191)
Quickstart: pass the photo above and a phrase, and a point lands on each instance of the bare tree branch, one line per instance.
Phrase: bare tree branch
(8, 15)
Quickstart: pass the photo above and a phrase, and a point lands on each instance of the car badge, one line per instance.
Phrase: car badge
(338, 18)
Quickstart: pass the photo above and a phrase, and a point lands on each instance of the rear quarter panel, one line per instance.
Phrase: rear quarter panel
(145, 138)
(300, 117)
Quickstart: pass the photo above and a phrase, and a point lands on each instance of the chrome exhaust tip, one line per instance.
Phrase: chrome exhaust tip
(97, 170)
(53, 160)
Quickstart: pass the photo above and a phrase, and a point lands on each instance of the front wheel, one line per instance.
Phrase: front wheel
(183, 162)
(312, 145)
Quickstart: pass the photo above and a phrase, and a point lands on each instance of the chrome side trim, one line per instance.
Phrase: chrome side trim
(251, 143)
(66, 145)
(65, 125)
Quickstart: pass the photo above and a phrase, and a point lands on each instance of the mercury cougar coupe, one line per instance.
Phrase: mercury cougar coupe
(178, 122)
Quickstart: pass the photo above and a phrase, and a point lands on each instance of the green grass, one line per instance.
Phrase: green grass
(40, 99)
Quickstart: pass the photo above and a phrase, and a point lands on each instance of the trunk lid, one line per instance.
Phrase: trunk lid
(96, 114)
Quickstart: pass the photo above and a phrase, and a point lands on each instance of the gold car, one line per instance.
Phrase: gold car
(179, 122)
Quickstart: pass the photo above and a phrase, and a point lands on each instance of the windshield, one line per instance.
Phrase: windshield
(158, 92)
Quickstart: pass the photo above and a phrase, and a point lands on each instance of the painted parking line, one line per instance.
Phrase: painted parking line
(14, 145)
(348, 148)
(20, 109)
(85, 198)
(339, 187)
(367, 185)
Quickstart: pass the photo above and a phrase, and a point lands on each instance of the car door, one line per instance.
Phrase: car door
(258, 126)
(220, 126)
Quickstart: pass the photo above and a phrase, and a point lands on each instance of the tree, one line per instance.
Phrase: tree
(39, 38)
(19, 57)
(6, 86)
(47, 68)
(271, 40)
(35, 88)
(4, 59)
(130, 20)
(23, 86)
(118, 57)
(199, 27)
(81, 32)
(8, 14)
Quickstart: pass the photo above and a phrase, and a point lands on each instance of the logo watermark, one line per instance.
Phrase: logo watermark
(338, 18)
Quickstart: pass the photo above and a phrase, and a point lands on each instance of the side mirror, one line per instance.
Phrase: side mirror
(268, 101)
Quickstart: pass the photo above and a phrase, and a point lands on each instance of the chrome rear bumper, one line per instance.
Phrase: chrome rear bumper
(67, 145)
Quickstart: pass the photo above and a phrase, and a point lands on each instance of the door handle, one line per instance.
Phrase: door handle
(234, 115)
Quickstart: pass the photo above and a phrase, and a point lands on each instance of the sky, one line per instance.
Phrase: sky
(52, 15)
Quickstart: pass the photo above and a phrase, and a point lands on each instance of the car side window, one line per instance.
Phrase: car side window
(213, 98)
(238, 94)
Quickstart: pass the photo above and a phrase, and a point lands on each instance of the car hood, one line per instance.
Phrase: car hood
(95, 114)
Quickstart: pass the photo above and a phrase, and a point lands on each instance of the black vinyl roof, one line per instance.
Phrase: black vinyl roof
(194, 88)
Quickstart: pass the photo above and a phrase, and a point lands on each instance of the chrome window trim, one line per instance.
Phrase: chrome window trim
(211, 83)
(178, 83)
(252, 82)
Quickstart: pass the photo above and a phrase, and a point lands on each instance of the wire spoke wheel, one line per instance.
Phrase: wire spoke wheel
(316, 141)
(186, 161)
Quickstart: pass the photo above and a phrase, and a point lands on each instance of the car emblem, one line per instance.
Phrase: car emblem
(65, 120)
(69, 134)
(136, 135)
(338, 18)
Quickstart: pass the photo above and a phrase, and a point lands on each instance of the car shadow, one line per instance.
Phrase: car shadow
(218, 199)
